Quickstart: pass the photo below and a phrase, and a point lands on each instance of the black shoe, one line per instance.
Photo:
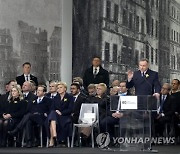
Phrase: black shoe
(55, 141)
(13, 132)
(29, 145)
(62, 144)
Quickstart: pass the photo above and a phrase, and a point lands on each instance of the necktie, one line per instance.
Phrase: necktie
(52, 96)
(95, 72)
(74, 98)
(142, 74)
(27, 79)
(39, 100)
(25, 95)
(162, 103)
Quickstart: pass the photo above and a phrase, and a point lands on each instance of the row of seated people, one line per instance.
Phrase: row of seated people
(57, 110)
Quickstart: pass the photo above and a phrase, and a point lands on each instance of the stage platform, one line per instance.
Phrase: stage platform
(162, 149)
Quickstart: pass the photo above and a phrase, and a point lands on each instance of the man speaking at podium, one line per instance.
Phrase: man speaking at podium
(144, 80)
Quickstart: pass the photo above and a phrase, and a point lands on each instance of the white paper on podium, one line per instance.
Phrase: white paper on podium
(128, 102)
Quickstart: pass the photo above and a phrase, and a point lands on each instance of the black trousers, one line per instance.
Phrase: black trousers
(33, 120)
(5, 126)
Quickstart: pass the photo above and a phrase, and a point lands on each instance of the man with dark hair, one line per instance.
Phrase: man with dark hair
(4, 97)
(26, 76)
(175, 84)
(78, 100)
(96, 74)
(144, 80)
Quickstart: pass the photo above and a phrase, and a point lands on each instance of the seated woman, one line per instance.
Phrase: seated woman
(11, 113)
(59, 119)
(103, 104)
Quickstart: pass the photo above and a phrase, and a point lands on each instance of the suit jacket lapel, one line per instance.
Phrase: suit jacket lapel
(23, 78)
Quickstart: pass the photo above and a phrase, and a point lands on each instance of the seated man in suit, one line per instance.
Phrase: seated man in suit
(166, 109)
(52, 90)
(27, 92)
(144, 80)
(38, 110)
(78, 100)
(26, 76)
(111, 119)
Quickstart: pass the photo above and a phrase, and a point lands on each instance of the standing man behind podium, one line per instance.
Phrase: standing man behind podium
(26, 76)
(144, 80)
(95, 74)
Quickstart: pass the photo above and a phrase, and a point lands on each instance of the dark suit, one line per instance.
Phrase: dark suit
(20, 79)
(146, 85)
(177, 116)
(30, 97)
(168, 110)
(49, 95)
(35, 115)
(64, 121)
(4, 97)
(101, 77)
(77, 107)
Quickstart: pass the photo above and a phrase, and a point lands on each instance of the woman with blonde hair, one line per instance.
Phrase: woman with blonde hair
(59, 119)
(103, 103)
(11, 113)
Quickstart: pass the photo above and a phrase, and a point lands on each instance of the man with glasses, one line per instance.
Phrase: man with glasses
(165, 110)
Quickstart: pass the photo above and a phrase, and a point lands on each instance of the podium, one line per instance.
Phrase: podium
(135, 126)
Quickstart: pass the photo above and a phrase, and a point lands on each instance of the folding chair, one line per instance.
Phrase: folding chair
(89, 117)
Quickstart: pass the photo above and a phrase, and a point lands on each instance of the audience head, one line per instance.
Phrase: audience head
(91, 90)
(26, 68)
(75, 89)
(115, 83)
(27, 86)
(7, 87)
(101, 89)
(61, 88)
(53, 87)
(16, 92)
(114, 90)
(33, 85)
(122, 87)
(175, 85)
(165, 89)
(143, 65)
(96, 61)
(78, 80)
(12, 83)
(41, 90)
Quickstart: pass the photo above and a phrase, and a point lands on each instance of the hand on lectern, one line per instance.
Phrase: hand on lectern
(117, 115)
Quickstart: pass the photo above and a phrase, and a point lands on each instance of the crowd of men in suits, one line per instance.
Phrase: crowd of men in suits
(26, 105)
